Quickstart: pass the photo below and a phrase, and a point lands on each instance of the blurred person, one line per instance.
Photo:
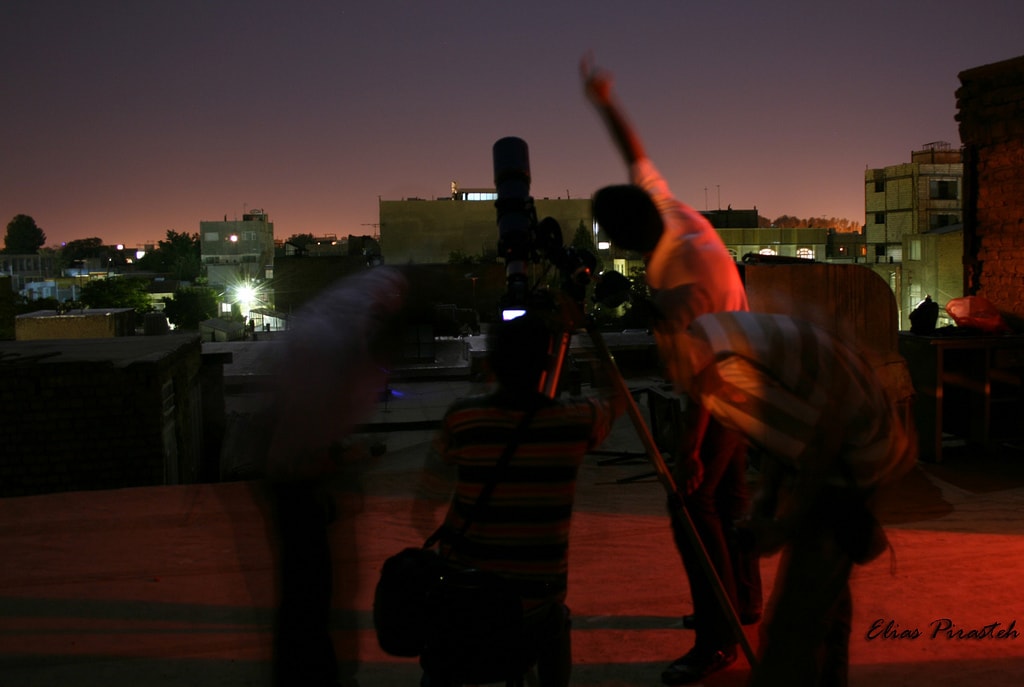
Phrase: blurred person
(830, 436)
(329, 374)
(690, 273)
(523, 533)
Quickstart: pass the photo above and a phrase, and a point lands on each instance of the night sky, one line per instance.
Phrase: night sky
(123, 119)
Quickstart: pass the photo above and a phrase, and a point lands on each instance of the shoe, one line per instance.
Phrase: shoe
(752, 618)
(696, 665)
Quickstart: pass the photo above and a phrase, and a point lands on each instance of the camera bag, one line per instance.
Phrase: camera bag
(465, 624)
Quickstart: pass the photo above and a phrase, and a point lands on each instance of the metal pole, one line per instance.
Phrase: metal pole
(675, 498)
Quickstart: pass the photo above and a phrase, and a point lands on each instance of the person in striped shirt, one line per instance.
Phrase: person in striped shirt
(829, 436)
(690, 273)
(523, 533)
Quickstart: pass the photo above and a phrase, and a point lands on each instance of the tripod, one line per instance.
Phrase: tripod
(675, 499)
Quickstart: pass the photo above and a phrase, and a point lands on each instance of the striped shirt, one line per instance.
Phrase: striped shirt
(799, 394)
(523, 532)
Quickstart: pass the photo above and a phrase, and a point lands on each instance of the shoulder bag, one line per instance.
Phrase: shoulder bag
(465, 624)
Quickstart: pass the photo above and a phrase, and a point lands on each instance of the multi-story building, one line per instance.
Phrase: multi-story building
(28, 268)
(913, 226)
(464, 224)
(415, 230)
(238, 254)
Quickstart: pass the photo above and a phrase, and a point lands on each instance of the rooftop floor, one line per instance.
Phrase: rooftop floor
(174, 585)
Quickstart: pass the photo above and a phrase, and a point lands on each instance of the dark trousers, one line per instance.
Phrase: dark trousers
(303, 649)
(554, 650)
(549, 632)
(714, 507)
(806, 636)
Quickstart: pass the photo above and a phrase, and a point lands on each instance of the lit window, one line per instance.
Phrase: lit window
(805, 253)
(915, 249)
(767, 251)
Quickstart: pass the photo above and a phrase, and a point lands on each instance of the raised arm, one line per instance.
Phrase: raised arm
(597, 84)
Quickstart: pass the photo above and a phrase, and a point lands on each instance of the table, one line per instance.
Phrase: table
(969, 386)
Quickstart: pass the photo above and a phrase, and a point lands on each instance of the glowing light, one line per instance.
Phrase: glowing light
(248, 295)
(512, 313)
(245, 294)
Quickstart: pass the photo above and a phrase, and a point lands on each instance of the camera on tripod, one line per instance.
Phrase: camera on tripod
(523, 240)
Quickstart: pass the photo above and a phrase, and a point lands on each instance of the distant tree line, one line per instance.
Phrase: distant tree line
(790, 222)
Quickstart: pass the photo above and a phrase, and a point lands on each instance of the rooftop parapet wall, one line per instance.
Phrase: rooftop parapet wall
(100, 413)
(77, 324)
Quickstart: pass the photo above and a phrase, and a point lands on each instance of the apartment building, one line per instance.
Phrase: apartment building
(913, 226)
(238, 259)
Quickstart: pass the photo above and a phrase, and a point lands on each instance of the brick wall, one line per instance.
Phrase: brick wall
(991, 116)
(100, 414)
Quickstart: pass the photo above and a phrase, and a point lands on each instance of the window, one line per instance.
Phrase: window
(880, 186)
(212, 236)
(805, 253)
(767, 251)
(879, 218)
(937, 221)
(915, 295)
(943, 189)
(915, 249)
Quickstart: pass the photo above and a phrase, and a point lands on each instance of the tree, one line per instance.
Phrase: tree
(178, 256)
(23, 236)
(461, 257)
(191, 305)
(23, 307)
(117, 292)
(82, 249)
(583, 239)
(301, 241)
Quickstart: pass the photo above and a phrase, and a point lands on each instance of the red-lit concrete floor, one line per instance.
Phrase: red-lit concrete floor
(173, 585)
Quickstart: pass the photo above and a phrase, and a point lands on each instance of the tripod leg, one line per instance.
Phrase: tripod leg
(675, 499)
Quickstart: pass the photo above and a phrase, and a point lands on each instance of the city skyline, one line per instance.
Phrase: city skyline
(126, 119)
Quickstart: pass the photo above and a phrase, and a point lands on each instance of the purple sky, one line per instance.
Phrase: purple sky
(123, 119)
